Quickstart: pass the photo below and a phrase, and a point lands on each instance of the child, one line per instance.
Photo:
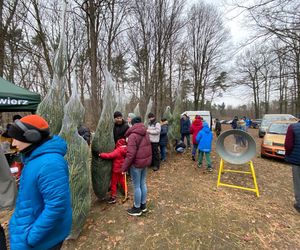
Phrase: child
(204, 140)
(218, 127)
(179, 146)
(194, 130)
(163, 140)
(118, 157)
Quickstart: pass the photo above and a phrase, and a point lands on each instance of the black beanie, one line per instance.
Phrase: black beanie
(135, 120)
(150, 115)
(118, 114)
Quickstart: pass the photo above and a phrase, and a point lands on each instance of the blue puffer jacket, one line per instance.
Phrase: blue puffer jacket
(204, 138)
(43, 213)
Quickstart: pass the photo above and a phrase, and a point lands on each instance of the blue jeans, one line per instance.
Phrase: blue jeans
(138, 176)
(163, 152)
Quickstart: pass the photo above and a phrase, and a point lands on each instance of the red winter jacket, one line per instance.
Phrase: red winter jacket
(196, 126)
(118, 155)
(139, 151)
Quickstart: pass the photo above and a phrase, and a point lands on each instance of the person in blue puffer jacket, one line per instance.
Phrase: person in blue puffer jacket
(43, 215)
(204, 140)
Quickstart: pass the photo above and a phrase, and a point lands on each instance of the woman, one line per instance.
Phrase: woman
(138, 158)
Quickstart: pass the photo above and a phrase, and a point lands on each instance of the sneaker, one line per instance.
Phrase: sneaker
(199, 165)
(209, 169)
(155, 168)
(134, 211)
(193, 158)
(111, 200)
(297, 207)
(144, 208)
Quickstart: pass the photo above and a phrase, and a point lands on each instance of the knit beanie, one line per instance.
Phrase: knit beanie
(151, 115)
(118, 114)
(131, 115)
(135, 120)
(31, 122)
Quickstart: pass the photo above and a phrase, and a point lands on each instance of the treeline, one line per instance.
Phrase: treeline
(152, 48)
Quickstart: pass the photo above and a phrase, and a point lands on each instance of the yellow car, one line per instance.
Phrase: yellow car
(273, 142)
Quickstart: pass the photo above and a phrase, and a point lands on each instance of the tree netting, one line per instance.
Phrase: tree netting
(149, 108)
(136, 110)
(103, 140)
(121, 103)
(78, 157)
(52, 106)
(174, 123)
(167, 114)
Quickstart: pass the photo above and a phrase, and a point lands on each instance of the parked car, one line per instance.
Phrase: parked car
(269, 118)
(273, 142)
(255, 123)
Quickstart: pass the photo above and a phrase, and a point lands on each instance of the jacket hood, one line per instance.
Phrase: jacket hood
(206, 129)
(120, 142)
(137, 128)
(55, 145)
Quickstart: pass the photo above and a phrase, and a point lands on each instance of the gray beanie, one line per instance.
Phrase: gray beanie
(131, 115)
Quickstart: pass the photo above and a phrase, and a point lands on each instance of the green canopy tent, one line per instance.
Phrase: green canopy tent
(14, 98)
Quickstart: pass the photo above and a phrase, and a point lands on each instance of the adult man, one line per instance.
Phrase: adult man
(154, 134)
(292, 155)
(43, 215)
(120, 126)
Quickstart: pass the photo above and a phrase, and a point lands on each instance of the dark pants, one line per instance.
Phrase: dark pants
(57, 247)
(155, 154)
(187, 139)
(2, 239)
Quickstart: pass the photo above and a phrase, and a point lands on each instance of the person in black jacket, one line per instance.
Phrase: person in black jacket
(120, 126)
(163, 139)
(85, 133)
(218, 127)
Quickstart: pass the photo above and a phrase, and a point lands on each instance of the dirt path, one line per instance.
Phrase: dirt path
(188, 212)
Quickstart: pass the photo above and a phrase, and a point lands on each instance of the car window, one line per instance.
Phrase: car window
(278, 128)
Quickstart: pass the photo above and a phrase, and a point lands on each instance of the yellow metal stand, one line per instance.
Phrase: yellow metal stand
(222, 170)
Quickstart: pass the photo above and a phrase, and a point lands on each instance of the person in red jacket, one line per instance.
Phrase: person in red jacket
(197, 125)
(138, 158)
(118, 157)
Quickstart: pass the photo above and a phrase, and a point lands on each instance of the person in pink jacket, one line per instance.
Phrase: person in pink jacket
(138, 158)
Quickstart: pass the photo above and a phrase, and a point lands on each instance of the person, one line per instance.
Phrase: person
(163, 139)
(196, 126)
(15, 117)
(218, 127)
(234, 123)
(248, 123)
(138, 158)
(42, 217)
(292, 156)
(85, 133)
(204, 139)
(179, 146)
(118, 156)
(8, 192)
(185, 129)
(120, 126)
(129, 118)
(154, 134)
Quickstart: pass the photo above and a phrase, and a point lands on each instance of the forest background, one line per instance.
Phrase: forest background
(154, 48)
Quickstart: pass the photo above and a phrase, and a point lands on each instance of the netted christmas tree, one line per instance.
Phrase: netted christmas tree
(103, 140)
(52, 106)
(136, 110)
(167, 114)
(121, 103)
(78, 157)
(149, 108)
(174, 123)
